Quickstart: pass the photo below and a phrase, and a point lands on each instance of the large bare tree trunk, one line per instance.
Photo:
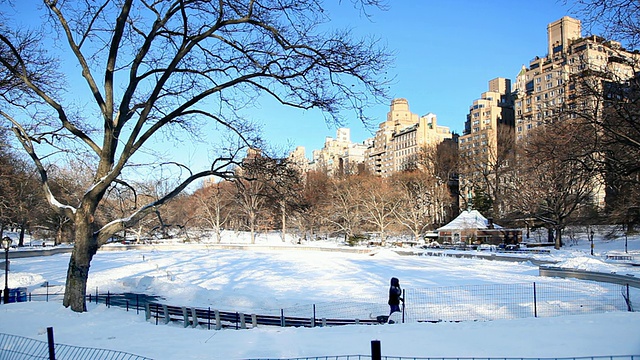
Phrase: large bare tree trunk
(78, 273)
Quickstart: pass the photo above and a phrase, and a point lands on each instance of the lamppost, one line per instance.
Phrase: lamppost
(6, 244)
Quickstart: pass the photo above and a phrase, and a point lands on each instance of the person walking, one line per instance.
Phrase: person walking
(395, 296)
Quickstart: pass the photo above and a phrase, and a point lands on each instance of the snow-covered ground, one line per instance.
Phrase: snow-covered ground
(284, 275)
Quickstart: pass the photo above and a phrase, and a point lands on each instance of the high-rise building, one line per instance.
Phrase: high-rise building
(545, 87)
(486, 145)
(339, 155)
(399, 140)
(551, 88)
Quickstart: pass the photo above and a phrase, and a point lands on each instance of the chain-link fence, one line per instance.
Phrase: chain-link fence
(482, 302)
(368, 357)
(14, 347)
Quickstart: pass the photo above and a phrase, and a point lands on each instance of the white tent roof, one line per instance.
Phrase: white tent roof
(468, 220)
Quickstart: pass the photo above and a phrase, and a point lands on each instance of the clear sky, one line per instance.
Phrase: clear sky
(446, 52)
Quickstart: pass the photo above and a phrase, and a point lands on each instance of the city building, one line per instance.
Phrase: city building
(398, 141)
(547, 89)
(298, 159)
(487, 144)
(339, 155)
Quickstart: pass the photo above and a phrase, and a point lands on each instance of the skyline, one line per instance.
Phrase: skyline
(445, 55)
(442, 64)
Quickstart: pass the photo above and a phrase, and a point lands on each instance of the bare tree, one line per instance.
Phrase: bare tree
(615, 18)
(440, 165)
(487, 174)
(379, 202)
(309, 218)
(612, 90)
(167, 68)
(342, 209)
(555, 182)
(415, 210)
(212, 203)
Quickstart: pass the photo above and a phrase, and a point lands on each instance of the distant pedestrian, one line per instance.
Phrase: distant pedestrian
(395, 296)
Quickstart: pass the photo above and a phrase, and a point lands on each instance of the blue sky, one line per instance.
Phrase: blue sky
(446, 53)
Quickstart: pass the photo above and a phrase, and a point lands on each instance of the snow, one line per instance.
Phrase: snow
(275, 275)
(471, 219)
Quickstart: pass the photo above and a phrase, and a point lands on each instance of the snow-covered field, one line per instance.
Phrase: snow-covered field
(259, 278)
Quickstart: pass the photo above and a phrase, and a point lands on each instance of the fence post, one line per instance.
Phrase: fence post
(165, 310)
(628, 299)
(185, 316)
(209, 318)
(194, 317)
(313, 320)
(404, 299)
(535, 301)
(218, 322)
(147, 311)
(282, 318)
(376, 354)
(254, 321)
(243, 324)
(52, 346)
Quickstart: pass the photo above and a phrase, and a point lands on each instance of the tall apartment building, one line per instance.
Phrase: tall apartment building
(298, 159)
(488, 138)
(399, 140)
(546, 88)
(339, 155)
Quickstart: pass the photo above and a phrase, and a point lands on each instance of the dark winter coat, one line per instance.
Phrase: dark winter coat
(395, 292)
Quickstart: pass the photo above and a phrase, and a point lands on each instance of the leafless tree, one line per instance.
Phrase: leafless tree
(415, 211)
(440, 164)
(555, 182)
(167, 67)
(488, 173)
(211, 205)
(615, 19)
(612, 91)
(379, 202)
(342, 209)
(310, 217)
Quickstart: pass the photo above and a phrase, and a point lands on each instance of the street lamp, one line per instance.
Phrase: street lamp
(6, 244)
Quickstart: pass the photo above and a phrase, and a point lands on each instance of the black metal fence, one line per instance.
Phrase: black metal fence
(14, 347)
(485, 302)
(368, 357)
(449, 304)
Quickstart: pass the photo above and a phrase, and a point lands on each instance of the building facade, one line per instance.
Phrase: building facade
(486, 146)
(545, 87)
(339, 156)
(398, 141)
(549, 88)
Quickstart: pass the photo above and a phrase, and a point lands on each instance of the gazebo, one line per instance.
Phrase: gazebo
(471, 227)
